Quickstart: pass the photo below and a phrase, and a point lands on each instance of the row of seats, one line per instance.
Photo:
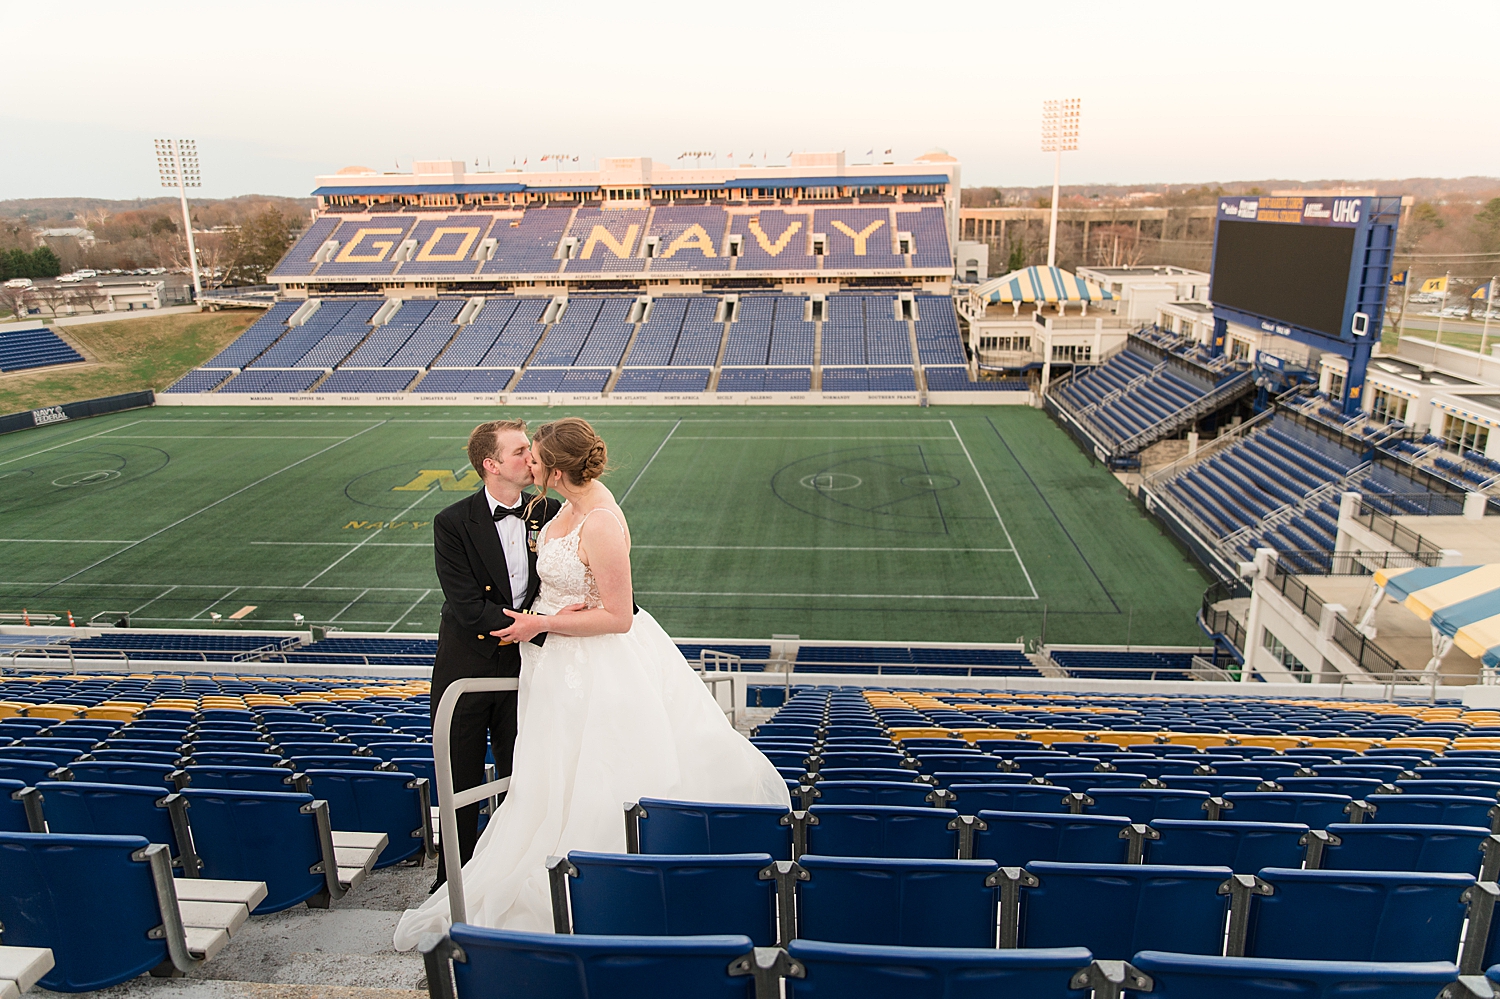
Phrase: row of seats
(1148, 394)
(33, 348)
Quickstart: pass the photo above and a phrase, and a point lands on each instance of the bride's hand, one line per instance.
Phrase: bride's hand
(524, 628)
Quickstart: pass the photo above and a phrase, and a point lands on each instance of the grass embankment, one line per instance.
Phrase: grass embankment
(125, 356)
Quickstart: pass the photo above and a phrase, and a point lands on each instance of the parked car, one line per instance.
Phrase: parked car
(69, 279)
(25, 284)
(86, 273)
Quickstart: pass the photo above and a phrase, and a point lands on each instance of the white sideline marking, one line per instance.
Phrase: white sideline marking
(367, 540)
(649, 460)
(805, 548)
(76, 440)
(1008, 539)
(726, 438)
(213, 605)
(153, 600)
(65, 541)
(214, 437)
(348, 544)
(845, 596)
(348, 605)
(214, 504)
(408, 610)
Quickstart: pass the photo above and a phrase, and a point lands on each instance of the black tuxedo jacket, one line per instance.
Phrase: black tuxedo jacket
(472, 570)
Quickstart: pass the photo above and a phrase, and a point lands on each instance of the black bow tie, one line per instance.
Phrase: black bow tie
(518, 511)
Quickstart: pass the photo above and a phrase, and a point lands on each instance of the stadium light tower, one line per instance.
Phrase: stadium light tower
(1059, 135)
(177, 159)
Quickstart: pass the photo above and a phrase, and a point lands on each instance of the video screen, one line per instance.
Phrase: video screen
(1298, 274)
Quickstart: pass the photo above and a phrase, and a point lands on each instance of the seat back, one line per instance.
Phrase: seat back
(1243, 847)
(1015, 839)
(12, 811)
(87, 899)
(109, 810)
(1217, 785)
(868, 792)
(1434, 809)
(908, 903)
(1074, 781)
(694, 827)
(241, 778)
(1188, 976)
(862, 760)
(25, 771)
(663, 895)
(378, 801)
(1354, 787)
(578, 966)
(1357, 916)
(111, 772)
(1145, 804)
(1316, 811)
(258, 836)
(1388, 846)
(876, 972)
(970, 799)
(1431, 785)
(1116, 910)
(883, 831)
(975, 763)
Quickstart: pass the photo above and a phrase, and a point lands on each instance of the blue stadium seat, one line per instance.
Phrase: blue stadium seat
(1145, 804)
(1388, 846)
(1357, 915)
(1312, 809)
(396, 804)
(665, 895)
(1116, 910)
(1243, 847)
(26, 771)
(1015, 839)
(498, 964)
(883, 831)
(836, 971)
(107, 772)
(691, 827)
(95, 902)
(13, 806)
(1191, 976)
(864, 792)
(1433, 809)
(910, 903)
(970, 799)
(245, 778)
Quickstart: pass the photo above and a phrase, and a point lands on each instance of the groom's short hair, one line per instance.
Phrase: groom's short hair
(484, 440)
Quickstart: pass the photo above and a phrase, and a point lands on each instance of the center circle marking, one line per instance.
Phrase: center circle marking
(93, 478)
(929, 480)
(831, 482)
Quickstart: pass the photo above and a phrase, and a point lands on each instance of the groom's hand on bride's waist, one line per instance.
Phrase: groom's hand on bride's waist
(527, 625)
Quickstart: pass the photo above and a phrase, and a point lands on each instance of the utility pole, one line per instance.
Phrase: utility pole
(1489, 306)
(1059, 135)
(177, 159)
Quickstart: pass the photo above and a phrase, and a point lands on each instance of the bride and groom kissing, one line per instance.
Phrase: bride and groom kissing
(608, 710)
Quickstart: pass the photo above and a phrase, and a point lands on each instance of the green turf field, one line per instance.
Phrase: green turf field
(960, 523)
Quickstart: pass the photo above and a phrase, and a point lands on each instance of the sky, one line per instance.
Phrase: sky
(277, 92)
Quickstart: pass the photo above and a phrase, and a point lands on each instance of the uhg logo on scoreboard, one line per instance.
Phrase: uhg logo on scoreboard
(1294, 209)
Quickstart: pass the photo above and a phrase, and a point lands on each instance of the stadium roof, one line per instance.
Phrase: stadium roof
(739, 183)
(1461, 602)
(1040, 284)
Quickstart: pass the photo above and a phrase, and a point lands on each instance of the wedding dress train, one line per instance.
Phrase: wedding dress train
(602, 721)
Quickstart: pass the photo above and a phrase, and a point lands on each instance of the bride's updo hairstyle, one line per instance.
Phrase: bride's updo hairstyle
(570, 445)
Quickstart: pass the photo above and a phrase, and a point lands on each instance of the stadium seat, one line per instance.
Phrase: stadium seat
(664, 895)
(971, 799)
(896, 902)
(1309, 808)
(1356, 915)
(857, 792)
(108, 908)
(1243, 847)
(1192, 976)
(660, 826)
(397, 805)
(283, 839)
(121, 810)
(882, 831)
(244, 778)
(1145, 804)
(107, 772)
(1015, 839)
(1393, 847)
(1432, 809)
(497, 964)
(1116, 910)
(882, 972)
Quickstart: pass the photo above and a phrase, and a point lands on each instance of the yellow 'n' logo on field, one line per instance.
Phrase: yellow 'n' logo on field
(772, 249)
(694, 237)
(620, 248)
(380, 246)
(443, 478)
(861, 237)
(429, 248)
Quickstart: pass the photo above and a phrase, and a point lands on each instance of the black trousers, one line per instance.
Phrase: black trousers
(481, 721)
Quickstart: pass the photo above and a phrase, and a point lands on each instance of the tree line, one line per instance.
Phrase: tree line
(41, 262)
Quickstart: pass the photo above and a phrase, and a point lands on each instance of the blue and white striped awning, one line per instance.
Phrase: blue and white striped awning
(1461, 602)
(1041, 284)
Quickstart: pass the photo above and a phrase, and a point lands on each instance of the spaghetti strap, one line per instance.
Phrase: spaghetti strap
(608, 511)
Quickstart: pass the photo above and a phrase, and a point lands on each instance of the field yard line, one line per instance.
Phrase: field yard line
(206, 586)
(213, 437)
(794, 548)
(847, 596)
(65, 541)
(1008, 539)
(727, 438)
(348, 605)
(76, 440)
(408, 610)
(153, 600)
(648, 462)
(367, 540)
(213, 504)
(348, 544)
(214, 604)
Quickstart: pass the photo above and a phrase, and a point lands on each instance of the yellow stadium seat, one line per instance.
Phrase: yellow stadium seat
(1358, 745)
(55, 710)
(1123, 739)
(1276, 742)
(110, 713)
(1416, 742)
(1201, 740)
(12, 709)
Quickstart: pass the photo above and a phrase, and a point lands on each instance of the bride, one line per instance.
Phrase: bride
(609, 710)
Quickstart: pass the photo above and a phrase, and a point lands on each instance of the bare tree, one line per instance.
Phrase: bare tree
(17, 300)
(52, 297)
(92, 296)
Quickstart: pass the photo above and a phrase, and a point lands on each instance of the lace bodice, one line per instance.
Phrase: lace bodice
(565, 579)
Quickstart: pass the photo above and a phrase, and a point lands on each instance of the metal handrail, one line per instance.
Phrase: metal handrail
(448, 801)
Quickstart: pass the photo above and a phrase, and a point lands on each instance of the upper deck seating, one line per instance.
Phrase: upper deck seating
(929, 233)
(298, 260)
(858, 238)
(447, 245)
(608, 240)
(690, 238)
(368, 247)
(527, 243)
(774, 240)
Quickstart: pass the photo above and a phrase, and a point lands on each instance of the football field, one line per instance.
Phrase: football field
(978, 524)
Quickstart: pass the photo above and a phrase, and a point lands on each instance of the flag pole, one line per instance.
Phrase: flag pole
(1489, 306)
(1405, 294)
(1442, 307)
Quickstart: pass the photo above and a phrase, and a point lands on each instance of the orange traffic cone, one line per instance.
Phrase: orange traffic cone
(71, 622)
(25, 617)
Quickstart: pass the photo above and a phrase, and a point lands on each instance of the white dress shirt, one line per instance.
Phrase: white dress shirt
(512, 531)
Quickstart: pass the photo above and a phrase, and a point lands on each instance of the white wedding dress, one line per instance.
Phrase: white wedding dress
(601, 721)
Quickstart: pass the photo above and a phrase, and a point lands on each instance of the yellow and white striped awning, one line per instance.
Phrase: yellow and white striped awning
(1040, 284)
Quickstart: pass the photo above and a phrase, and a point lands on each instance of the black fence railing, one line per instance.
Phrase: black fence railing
(1403, 537)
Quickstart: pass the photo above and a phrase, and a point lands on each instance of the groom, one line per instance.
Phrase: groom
(485, 548)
